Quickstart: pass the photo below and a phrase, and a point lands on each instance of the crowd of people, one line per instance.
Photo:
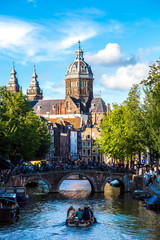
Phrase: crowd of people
(71, 165)
(82, 214)
(152, 176)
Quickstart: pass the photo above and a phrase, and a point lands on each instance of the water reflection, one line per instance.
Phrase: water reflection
(37, 188)
(75, 189)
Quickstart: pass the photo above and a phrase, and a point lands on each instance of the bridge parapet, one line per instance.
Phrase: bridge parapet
(54, 179)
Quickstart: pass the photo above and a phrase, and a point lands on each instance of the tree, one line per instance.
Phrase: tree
(122, 130)
(45, 139)
(112, 129)
(134, 124)
(151, 87)
(20, 129)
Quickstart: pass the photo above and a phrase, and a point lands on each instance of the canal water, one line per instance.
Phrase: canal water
(119, 216)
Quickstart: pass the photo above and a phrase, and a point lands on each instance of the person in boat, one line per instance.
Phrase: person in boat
(90, 212)
(86, 214)
(79, 214)
(92, 215)
(71, 213)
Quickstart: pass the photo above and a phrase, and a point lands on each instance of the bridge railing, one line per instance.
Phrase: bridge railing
(18, 171)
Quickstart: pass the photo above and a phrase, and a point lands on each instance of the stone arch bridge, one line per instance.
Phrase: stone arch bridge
(54, 179)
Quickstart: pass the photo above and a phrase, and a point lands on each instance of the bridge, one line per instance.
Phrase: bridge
(53, 179)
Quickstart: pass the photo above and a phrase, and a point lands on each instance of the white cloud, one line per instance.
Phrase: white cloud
(110, 56)
(14, 33)
(33, 42)
(125, 77)
(54, 87)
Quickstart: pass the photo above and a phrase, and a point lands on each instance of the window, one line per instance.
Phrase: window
(83, 144)
(88, 144)
(74, 84)
(83, 100)
(88, 136)
(83, 84)
(84, 136)
(83, 152)
(88, 152)
(94, 150)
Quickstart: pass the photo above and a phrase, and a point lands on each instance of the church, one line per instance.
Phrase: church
(79, 108)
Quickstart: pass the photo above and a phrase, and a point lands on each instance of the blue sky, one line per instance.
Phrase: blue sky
(120, 39)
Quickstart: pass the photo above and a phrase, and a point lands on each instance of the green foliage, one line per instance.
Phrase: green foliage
(22, 133)
(151, 109)
(121, 131)
(133, 126)
(45, 140)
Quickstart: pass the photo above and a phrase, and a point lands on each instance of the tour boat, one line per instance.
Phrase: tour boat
(22, 197)
(80, 223)
(9, 208)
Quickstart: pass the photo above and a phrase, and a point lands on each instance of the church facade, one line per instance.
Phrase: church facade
(79, 100)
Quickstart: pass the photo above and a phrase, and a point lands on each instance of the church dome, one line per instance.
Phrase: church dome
(79, 68)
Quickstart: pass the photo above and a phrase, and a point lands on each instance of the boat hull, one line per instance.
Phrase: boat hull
(9, 215)
(80, 223)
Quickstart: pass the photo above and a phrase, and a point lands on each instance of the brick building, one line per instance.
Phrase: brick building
(89, 150)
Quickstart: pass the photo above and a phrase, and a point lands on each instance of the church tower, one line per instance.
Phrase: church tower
(79, 81)
(13, 85)
(34, 92)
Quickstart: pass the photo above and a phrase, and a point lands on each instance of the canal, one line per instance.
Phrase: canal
(119, 216)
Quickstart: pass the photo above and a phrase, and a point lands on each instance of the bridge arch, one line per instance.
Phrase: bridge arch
(37, 178)
(92, 183)
(108, 179)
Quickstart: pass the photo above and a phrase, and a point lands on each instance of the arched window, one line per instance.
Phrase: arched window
(83, 84)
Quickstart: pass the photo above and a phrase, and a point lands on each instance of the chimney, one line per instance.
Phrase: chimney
(55, 110)
(51, 110)
(60, 108)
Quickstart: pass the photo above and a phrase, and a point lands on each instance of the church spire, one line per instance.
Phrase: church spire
(79, 52)
(79, 44)
(34, 92)
(13, 85)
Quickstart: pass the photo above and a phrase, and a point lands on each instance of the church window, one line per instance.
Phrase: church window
(83, 84)
(77, 104)
(73, 84)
